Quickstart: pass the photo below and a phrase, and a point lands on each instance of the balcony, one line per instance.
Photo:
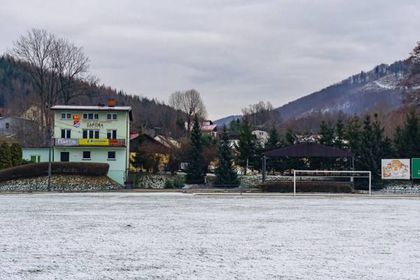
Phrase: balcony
(99, 142)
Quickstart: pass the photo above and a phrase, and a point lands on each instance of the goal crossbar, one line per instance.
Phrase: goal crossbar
(354, 172)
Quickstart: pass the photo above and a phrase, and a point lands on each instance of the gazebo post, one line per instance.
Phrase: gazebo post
(264, 168)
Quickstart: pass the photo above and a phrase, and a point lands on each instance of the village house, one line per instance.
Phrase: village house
(20, 130)
(91, 134)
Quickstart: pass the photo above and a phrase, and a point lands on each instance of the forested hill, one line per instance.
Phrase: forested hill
(17, 94)
(378, 89)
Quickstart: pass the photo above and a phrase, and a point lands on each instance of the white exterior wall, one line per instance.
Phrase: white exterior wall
(117, 167)
(40, 153)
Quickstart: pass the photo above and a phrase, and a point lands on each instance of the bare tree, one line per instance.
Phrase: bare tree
(58, 69)
(261, 114)
(71, 66)
(35, 48)
(190, 103)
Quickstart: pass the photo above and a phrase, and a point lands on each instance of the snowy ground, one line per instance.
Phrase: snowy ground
(180, 236)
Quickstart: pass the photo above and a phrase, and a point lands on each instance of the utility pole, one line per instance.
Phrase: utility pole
(49, 159)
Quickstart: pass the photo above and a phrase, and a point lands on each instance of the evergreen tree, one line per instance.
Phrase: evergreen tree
(16, 154)
(327, 134)
(339, 134)
(5, 156)
(366, 157)
(353, 135)
(195, 170)
(246, 146)
(374, 147)
(273, 141)
(290, 137)
(407, 139)
(226, 175)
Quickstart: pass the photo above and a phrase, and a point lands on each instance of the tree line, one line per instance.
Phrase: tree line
(10, 155)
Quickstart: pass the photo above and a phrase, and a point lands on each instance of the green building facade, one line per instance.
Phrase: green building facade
(93, 134)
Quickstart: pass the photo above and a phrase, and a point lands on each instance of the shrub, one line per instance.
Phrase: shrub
(176, 183)
(41, 169)
(313, 186)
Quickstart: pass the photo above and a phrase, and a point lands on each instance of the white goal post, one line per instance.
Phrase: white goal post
(356, 174)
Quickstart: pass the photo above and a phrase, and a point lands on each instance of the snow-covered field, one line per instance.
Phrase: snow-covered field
(180, 236)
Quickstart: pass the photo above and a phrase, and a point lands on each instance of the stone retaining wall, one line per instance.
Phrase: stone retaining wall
(68, 183)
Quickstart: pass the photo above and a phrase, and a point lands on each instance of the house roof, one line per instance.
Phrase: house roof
(91, 108)
(308, 150)
(208, 128)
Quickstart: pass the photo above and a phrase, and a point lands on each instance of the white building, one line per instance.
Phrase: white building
(93, 134)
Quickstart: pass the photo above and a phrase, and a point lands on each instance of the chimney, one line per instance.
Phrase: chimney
(111, 102)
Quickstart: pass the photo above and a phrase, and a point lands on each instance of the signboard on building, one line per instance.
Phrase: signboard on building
(76, 120)
(94, 142)
(415, 168)
(395, 169)
(66, 142)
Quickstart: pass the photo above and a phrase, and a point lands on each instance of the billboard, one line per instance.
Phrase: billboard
(395, 169)
(415, 168)
(66, 142)
(94, 142)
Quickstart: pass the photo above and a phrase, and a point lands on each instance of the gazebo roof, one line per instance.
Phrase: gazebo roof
(309, 150)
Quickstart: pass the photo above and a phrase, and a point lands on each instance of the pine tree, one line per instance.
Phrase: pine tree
(339, 134)
(5, 156)
(195, 170)
(327, 134)
(226, 175)
(353, 134)
(273, 141)
(374, 147)
(407, 139)
(246, 146)
(290, 137)
(16, 154)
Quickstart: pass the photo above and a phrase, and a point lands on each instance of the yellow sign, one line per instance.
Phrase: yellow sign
(94, 142)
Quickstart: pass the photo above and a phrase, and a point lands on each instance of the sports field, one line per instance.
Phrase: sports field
(183, 236)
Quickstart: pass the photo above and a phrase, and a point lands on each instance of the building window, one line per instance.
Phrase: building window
(96, 116)
(66, 133)
(111, 155)
(111, 134)
(111, 116)
(65, 116)
(90, 116)
(90, 133)
(7, 125)
(86, 154)
(85, 116)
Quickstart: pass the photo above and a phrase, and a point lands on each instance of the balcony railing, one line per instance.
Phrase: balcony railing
(99, 142)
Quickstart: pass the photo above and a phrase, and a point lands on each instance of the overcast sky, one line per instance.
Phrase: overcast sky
(235, 53)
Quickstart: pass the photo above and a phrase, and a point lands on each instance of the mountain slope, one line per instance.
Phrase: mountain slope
(227, 120)
(361, 93)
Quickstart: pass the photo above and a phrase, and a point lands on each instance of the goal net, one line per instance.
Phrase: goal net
(331, 175)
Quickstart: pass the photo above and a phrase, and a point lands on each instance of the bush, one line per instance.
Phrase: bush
(313, 186)
(176, 183)
(66, 168)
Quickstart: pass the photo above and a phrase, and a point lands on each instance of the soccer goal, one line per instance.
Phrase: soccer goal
(351, 174)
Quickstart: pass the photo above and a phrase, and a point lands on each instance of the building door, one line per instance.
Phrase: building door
(64, 156)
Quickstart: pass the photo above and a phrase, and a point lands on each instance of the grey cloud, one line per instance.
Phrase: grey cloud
(234, 52)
